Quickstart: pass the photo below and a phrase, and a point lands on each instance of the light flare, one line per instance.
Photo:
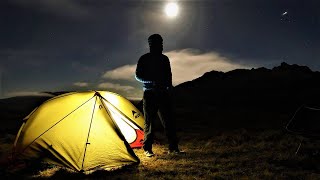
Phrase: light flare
(172, 9)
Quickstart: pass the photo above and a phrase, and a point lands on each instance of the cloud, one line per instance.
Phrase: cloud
(26, 93)
(122, 73)
(81, 84)
(117, 87)
(186, 65)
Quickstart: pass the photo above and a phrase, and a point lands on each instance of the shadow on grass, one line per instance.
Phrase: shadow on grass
(306, 164)
(127, 172)
(38, 169)
(307, 159)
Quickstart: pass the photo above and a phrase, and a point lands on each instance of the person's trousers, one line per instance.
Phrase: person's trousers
(158, 101)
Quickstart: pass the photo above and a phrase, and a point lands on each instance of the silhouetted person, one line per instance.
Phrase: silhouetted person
(154, 71)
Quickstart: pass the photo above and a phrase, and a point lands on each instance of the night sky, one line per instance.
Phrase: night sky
(64, 45)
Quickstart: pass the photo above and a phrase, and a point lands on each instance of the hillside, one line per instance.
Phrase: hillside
(256, 98)
(14, 109)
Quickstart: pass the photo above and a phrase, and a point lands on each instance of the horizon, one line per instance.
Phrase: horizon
(132, 98)
(79, 45)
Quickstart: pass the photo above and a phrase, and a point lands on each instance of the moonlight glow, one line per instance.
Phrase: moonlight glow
(171, 9)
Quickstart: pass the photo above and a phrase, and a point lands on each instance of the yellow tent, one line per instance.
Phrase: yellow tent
(83, 131)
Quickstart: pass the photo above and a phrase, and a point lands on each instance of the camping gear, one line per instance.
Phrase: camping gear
(82, 131)
(305, 123)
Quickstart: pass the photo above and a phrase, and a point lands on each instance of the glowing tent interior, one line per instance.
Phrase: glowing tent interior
(82, 131)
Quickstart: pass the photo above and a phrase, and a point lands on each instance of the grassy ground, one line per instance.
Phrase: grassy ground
(238, 154)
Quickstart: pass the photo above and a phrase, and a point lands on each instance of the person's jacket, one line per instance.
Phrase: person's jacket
(154, 71)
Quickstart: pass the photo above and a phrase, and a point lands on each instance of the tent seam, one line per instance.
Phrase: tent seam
(84, 155)
(54, 125)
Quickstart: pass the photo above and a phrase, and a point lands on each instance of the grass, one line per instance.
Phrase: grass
(237, 154)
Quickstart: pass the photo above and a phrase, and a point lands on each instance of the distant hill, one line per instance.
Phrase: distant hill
(14, 109)
(255, 98)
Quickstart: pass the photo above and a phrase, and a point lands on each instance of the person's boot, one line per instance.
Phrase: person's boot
(176, 152)
(148, 153)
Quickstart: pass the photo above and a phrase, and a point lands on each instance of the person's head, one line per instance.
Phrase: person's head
(155, 43)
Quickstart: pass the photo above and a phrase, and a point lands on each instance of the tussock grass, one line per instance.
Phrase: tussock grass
(238, 154)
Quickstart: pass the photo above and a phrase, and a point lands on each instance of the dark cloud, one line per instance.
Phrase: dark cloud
(63, 8)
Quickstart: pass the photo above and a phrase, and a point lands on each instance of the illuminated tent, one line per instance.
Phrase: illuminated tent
(83, 131)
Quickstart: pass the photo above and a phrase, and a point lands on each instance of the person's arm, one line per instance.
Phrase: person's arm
(168, 73)
(140, 72)
(142, 80)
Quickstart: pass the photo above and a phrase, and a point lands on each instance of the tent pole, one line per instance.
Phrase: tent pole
(299, 147)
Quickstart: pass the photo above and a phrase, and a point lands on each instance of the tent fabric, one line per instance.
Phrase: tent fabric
(82, 131)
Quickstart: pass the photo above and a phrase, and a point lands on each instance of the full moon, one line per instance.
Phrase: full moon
(171, 9)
